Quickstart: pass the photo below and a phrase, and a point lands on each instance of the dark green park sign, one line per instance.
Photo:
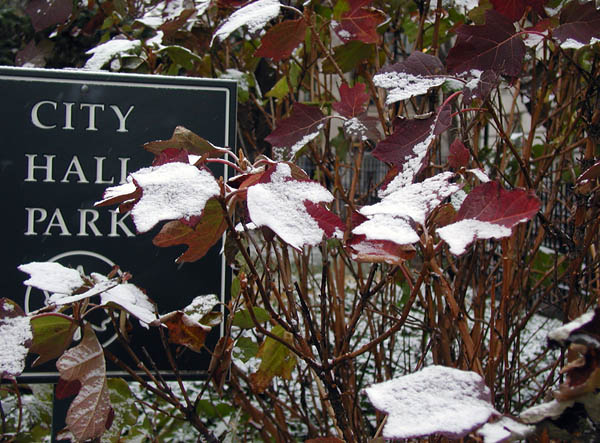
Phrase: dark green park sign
(66, 137)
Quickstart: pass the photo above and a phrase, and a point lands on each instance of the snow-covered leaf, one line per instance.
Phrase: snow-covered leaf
(359, 23)
(579, 25)
(52, 277)
(129, 297)
(353, 100)
(401, 208)
(199, 238)
(169, 192)
(378, 251)
(412, 77)
(52, 334)
(278, 202)
(407, 146)
(90, 411)
(15, 331)
(479, 84)
(254, 15)
(435, 400)
(488, 212)
(280, 41)
(585, 329)
(105, 52)
(493, 46)
(504, 430)
(294, 132)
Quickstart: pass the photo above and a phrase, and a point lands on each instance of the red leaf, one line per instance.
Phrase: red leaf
(46, 13)
(379, 251)
(407, 147)
(171, 155)
(480, 87)
(353, 100)
(327, 220)
(489, 202)
(67, 388)
(199, 238)
(280, 41)
(494, 46)
(514, 9)
(359, 23)
(302, 126)
(578, 22)
(459, 154)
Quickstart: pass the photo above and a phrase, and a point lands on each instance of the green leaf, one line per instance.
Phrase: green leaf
(242, 319)
(209, 409)
(246, 348)
(52, 335)
(126, 412)
(350, 55)
(277, 360)
(281, 88)
(181, 56)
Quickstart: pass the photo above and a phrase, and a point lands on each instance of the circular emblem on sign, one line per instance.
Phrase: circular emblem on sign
(86, 262)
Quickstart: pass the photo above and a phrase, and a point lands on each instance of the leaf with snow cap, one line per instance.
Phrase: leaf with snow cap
(128, 297)
(52, 277)
(280, 41)
(15, 331)
(504, 430)
(295, 131)
(394, 218)
(168, 192)
(479, 85)
(90, 412)
(359, 23)
(414, 76)
(579, 25)
(407, 146)
(105, 52)
(278, 201)
(489, 211)
(435, 400)
(254, 15)
(494, 46)
(190, 326)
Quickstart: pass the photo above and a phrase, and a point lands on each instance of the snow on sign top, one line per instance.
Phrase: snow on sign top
(436, 400)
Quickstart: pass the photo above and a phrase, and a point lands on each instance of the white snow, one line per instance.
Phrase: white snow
(117, 191)
(355, 128)
(15, 332)
(462, 233)
(105, 52)
(478, 172)
(169, 192)
(255, 16)
(551, 409)
(200, 306)
(52, 277)
(434, 400)
(415, 200)
(562, 334)
(411, 166)
(62, 299)
(388, 227)
(475, 75)
(571, 43)
(279, 205)
(532, 40)
(129, 297)
(401, 85)
(504, 430)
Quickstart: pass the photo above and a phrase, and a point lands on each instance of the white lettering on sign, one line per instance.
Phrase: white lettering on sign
(62, 113)
(40, 223)
(45, 166)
